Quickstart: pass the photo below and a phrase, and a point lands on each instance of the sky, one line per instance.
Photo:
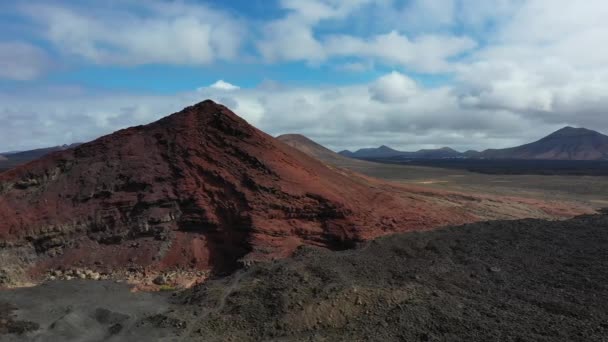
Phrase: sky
(411, 74)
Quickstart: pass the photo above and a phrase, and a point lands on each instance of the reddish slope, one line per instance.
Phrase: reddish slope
(200, 188)
(311, 148)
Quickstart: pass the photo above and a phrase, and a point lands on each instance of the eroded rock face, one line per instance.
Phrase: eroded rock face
(198, 189)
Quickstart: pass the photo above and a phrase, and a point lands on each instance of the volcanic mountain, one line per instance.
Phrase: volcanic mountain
(202, 189)
(566, 144)
(440, 153)
(311, 148)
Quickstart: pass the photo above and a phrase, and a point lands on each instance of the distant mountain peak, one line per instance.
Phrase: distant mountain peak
(446, 148)
(384, 147)
(570, 131)
(568, 143)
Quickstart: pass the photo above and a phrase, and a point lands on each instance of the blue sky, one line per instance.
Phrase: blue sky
(348, 73)
(251, 70)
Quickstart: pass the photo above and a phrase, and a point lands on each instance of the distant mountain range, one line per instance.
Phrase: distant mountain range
(380, 152)
(11, 159)
(567, 143)
(387, 152)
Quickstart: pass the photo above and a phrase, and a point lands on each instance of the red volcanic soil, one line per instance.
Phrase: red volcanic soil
(204, 189)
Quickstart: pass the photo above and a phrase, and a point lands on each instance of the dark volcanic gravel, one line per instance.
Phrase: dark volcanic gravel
(79, 310)
(527, 280)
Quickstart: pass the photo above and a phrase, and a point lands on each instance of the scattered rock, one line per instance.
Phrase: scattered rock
(161, 280)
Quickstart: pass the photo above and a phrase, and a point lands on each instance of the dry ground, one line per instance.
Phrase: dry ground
(587, 190)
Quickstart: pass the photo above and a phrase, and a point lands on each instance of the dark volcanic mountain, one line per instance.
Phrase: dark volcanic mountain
(387, 152)
(566, 144)
(202, 189)
(372, 152)
(440, 153)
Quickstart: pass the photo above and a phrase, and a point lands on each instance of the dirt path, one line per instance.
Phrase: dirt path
(226, 291)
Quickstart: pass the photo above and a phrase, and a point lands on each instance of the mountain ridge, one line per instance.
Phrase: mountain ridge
(387, 152)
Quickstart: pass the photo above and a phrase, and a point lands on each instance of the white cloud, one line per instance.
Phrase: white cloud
(427, 53)
(546, 62)
(223, 85)
(416, 13)
(21, 61)
(158, 32)
(290, 39)
(394, 87)
(314, 11)
(294, 38)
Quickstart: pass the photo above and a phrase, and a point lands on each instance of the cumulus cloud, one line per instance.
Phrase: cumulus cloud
(394, 87)
(545, 63)
(223, 85)
(427, 53)
(290, 39)
(294, 38)
(156, 32)
(21, 61)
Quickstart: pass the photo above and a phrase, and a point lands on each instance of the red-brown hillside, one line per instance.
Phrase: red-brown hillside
(200, 188)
